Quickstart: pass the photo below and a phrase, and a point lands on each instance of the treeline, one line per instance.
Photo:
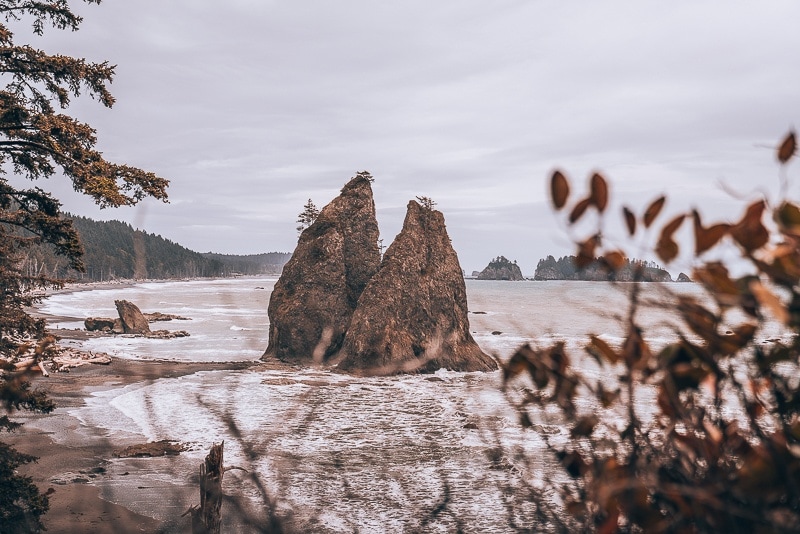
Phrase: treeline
(566, 268)
(115, 250)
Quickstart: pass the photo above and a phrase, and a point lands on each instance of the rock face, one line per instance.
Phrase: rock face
(501, 268)
(412, 316)
(314, 299)
(99, 324)
(683, 277)
(133, 320)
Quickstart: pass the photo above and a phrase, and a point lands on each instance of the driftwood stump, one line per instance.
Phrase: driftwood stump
(206, 518)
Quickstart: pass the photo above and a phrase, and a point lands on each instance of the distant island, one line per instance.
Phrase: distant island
(501, 268)
(115, 250)
(565, 268)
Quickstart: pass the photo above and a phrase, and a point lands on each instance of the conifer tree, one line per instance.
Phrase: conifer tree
(307, 217)
(37, 141)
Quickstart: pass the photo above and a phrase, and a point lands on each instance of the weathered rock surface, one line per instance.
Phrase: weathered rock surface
(98, 324)
(315, 296)
(412, 316)
(151, 449)
(683, 277)
(133, 320)
(501, 268)
(158, 316)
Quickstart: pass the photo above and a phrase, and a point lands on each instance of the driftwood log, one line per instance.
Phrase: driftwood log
(207, 518)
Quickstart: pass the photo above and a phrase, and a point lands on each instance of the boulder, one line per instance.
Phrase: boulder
(315, 296)
(98, 324)
(412, 316)
(133, 320)
(683, 277)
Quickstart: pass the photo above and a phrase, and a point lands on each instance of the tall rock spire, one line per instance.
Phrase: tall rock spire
(412, 316)
(315, 296)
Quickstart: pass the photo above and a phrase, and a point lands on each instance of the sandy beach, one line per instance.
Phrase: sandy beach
(74, 470)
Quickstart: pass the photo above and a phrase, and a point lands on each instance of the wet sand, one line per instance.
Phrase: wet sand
(73, 458)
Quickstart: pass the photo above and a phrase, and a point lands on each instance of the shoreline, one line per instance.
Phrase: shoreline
(73, 457)
(78, 465)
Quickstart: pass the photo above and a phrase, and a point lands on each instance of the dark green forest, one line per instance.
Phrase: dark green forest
(116, 250)
(566, 268)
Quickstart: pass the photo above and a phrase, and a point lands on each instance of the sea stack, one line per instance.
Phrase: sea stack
(314, 298)
(412, 316)
(133, 320)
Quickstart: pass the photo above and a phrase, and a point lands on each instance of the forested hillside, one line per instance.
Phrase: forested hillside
(114, 249)
(566, 268)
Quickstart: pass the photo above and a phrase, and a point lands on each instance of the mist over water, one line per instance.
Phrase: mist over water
(352, 452)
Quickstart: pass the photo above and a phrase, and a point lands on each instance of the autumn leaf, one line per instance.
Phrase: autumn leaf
(788, 218)
(599, 190)
(788, 148)
(559, 189)
(705, 238)
(586, 252)
(653, 210)
(579, 210)
(601, 348)
(614, 259)
(584, 426)
(666, 248)
(630, 220)
(750, 233)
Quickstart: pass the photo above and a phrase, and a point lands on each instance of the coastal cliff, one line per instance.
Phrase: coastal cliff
(315, 296)
(412, 316)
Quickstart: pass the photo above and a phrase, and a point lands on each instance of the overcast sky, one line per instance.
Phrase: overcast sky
(250, 108)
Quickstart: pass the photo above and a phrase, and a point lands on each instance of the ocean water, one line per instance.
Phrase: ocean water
(347, 453)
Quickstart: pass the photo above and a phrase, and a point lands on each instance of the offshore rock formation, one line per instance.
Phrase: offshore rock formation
(412, 316)
(315, 296)
(683, 277)
(501, 268)
(133, 320)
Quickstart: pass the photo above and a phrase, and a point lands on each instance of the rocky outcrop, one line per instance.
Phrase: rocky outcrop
(133, 320)
(99, 324)
(412, 316)
(501, 268)
(315, 296)
(683, 277)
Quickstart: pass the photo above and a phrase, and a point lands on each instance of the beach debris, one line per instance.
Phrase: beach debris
(133, 320)
(69, 357)
(151, 449)
(207, 517)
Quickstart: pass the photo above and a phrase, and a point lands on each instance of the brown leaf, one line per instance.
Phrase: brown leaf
(653, 210)
(788, 218)
(601, 348)
(788, 148)
(768, 299)
(714, 276)
(614, 259)
(599, 190)
(630, 220)
(705, 238)
(586, 252)
(559, 189)
(579, 210)
(750, 233)
(666, 248)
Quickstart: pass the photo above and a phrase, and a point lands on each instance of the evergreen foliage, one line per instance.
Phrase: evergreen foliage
(307, 217)
(567, 268)
(36, 141)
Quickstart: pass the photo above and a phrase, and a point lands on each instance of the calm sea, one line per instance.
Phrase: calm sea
(367, 454)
